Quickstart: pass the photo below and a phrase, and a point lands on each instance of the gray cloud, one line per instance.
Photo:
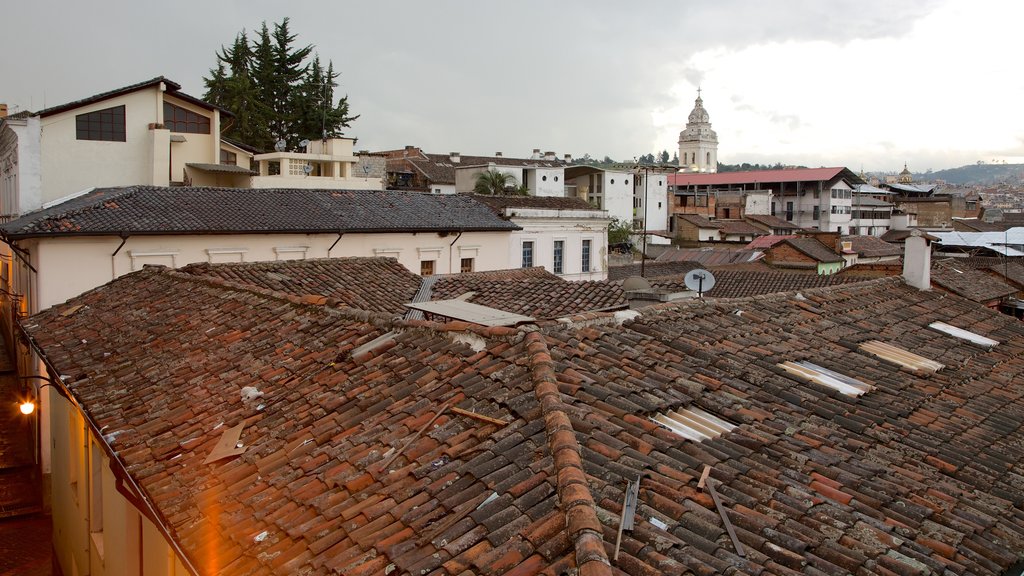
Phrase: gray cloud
(577, 76)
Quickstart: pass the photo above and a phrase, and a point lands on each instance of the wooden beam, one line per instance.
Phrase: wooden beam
(476, 416)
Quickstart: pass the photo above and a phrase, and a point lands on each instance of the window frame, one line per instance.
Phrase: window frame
(558, 256)
(106, 125)
(193, 122)
(586, 249)
(527, 257)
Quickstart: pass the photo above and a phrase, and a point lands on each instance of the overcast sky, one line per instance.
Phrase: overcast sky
(856, 83)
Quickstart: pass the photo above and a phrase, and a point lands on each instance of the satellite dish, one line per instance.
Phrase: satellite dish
(303, 143)
(280, 145)
(700, 281)
(308, 169)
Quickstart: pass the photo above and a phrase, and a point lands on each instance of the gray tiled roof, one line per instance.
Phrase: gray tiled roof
(189, 210)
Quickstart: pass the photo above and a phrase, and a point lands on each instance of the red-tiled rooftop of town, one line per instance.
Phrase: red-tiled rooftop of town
(920, 474)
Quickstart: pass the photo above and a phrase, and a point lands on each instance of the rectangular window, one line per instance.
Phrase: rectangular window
(427, 268)
(586, 255)
(528, 254)
(228, 158)
(178, 119)
(466, 265)
(559, 253)
(789, 211)
(773, 208)
(817, 213)
(106, 125)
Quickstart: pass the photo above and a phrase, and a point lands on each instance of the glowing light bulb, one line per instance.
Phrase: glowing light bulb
(27, 408)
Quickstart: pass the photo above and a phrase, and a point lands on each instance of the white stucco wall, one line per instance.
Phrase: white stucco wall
(657, 205)
(570, 227)
(757, 203)
(69, 266)
(546, 182)
(69, 164)
(618, 195)
(147, 156)
(200, 148)
(20, 169)
(465, 177)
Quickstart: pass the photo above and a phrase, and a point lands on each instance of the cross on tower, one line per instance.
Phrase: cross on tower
(698, 91)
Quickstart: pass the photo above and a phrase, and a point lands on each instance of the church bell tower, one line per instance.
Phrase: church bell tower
(698, 143)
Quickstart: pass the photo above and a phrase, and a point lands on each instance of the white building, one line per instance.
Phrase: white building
(148, 133)
(567, 236)
(320, 165)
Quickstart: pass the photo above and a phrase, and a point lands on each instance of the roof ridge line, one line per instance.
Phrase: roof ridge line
(574, 496)
(381, 320)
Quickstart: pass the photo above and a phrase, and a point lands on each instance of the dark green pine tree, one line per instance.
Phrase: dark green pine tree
(273, 93)
(319, 117)
(231, 87)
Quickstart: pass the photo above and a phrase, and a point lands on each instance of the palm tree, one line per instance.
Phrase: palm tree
(495, 183)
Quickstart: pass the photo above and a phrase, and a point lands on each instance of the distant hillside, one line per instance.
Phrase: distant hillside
(980, 174)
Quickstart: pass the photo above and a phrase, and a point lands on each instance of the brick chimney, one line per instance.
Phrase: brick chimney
(536, 154)
(455, 157)
(497, 154)
(550, 155)
(917, 261)
(568, 158)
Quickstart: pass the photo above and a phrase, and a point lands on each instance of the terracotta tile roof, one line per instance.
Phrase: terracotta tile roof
(529, 291)
(872, 247)
(698, 221)
(763, 177)
(709, 257)
(189, 210)
(440, 169)
(373, 284)
(770, 222)
(969, 283)
(743, 283)
(540, 300)
(813, 249)
(740, 227)
(652, 269)
(1012, 271)
(499, 203)
(919, 475)
(763, 242)
(173, 89)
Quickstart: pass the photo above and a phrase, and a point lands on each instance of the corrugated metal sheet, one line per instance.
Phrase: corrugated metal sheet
(694, 424)
(826, 377)
(963, 334)
(900, 356)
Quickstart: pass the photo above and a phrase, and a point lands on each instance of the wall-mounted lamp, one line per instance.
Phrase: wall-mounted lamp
(28, 405)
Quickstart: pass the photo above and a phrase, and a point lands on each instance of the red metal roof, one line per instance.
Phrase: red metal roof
(755, 176)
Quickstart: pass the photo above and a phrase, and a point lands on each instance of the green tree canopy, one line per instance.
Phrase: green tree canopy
(274, 93)
(495, 183)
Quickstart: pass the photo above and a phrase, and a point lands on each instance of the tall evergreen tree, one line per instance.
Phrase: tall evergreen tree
(272, 91)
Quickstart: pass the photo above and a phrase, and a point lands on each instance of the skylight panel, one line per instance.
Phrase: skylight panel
(900, 356)
(963, 334)
(694, 424)
(826, 377)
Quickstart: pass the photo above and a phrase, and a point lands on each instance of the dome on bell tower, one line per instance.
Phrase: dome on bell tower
(698, 143)
(905, 177)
